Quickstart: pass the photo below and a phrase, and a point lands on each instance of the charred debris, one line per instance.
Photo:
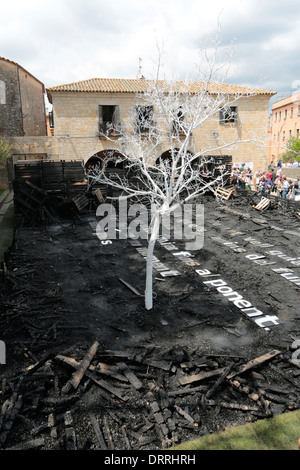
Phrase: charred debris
(88, 396)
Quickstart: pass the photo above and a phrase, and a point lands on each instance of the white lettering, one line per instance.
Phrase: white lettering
(252, 312)
(254, 256)
(202, 272)
(216, 282)
(2, 353)
(268, 320)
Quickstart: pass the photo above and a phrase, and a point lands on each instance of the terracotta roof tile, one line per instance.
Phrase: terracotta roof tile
(122, 85)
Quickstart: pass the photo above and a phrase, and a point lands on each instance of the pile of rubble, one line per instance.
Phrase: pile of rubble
(142, 399)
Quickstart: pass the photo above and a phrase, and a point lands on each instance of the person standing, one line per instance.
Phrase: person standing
(285, 187)
(248, 181)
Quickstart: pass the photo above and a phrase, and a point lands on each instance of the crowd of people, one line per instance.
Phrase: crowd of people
(272, 181)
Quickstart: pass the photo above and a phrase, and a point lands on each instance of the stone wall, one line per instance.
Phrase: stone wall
(33, 105)
(22, 106)
(76, 127)
(291, 172)
(11, 123)
(26, 148)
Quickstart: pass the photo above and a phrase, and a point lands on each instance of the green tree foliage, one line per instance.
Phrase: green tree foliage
(5, 151)
(293, 151)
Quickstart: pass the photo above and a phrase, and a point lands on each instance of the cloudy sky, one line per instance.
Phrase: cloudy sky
(63, 41)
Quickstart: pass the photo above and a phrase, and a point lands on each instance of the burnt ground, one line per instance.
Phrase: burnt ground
(158, 377)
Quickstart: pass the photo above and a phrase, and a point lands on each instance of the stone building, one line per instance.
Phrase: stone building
(82, 110)
(23, 120)
(22, 105)
(285, 123)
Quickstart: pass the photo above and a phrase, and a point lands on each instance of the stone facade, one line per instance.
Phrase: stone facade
(22, 105)
(33, 148)
(76, 118)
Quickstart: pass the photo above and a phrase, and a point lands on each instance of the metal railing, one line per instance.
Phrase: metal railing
(110, 129)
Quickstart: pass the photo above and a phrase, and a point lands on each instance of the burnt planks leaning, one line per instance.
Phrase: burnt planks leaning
(43, 189)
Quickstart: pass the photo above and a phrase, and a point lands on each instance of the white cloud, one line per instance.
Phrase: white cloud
(70, 40)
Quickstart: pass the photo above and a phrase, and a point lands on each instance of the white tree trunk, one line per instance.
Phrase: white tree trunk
(149, 265)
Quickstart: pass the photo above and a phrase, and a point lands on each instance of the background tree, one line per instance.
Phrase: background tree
(293, 151)
(170, 111)
(5, 151)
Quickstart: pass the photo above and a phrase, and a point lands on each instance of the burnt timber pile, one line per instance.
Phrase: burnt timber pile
(89, 368)
(142, 399)
(43, 189)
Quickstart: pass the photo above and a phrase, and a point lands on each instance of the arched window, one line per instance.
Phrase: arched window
(2, 93)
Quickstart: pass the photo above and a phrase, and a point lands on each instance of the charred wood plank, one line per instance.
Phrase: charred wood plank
(90, 375)
(40, 363)
(108, 434)
(236, 406)
(156, 364)
(130, 376)
(286, 376)
(219, 381)
(199, 377)
(77, 376)
(11, 413)
(255, 363)
(70, 437)
(273, 388)
(98, 433)
(184, 414)
(125, 437)
(107, 369)
(100, 368)
(133, 289)
(187, 391)
(32, 444)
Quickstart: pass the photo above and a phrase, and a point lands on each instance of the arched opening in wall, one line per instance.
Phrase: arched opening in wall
(110, 161)
(165, 160)
(210, 167)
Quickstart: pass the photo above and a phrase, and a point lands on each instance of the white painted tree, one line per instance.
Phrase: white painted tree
(166, 115)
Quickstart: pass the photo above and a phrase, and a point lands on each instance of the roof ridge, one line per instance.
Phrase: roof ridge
(131, 85)
(26, 71)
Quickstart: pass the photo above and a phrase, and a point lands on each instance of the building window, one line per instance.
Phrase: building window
(143, 119)
(290, 134)
(51, 120)
(297, 133)
(2, 93)
(283, 135)
(292, 112)
(228, 114)
(275, 117)
(285, 114)
(298, 110)
(279, 116)
(278, 136)
(178, 122)
(109, 120)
